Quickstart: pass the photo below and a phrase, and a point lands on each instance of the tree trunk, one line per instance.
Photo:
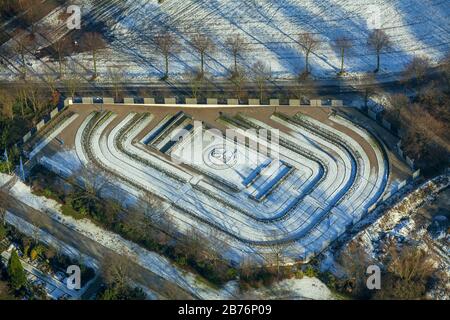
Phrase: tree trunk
(60, 68)
(167, 67)
(235, 63)
(342, 60)
(202, 63)
(260, 92)
(378, 62)
(24, 67)
(94, 57)
(307, 62)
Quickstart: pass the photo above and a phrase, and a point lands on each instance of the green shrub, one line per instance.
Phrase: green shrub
(311, 272)
(299, 274)
(16, 273)
(67, 210)
(3, 232)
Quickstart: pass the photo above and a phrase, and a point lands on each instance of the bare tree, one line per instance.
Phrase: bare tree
(7, 101)
(203, 44)
(277, 254)
(304, 89)
(167, 44)
(72, 81)
(116, 75)
(237, 45)
(37, 96)
(397, 102)
(238, 80)
(33, 10)
(21, 95)
(408, 273)
(62, 48)
(308, 43)
(445, 67)
(196, 82)
(416, 70)
(3, 215)
(93, 182)
(354, 262)
(151, 207)
(93, 41)
(20, 48)
(261, 74)
(51, 83)
(116, 271)
(342, 44)
(378, 41)
(369, 87)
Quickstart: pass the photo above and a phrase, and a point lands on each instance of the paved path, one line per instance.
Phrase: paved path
(89, 247)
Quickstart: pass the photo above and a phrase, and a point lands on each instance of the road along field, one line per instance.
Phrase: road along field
(291, 179)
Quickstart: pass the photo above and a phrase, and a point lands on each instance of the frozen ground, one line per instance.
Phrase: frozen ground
(149, 260)
(415, 221)
(331, 182)
(294, 289)
(270, 27)
(306, 288)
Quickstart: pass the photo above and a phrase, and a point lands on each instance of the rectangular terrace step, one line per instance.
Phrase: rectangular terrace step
(162, 126)
(180, 133)
(268, 178)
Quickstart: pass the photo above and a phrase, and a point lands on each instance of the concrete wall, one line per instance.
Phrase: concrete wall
(54, 113)
(274, 102)
(386, 124)
(149, 100)
(212, 101)
(108, 100)
(254, 102)
(191, 101)
(87, 100)
(337, 103)
(170, 100)
(26, 137)
(294, 102)
(372, 115)
(410, 162)
(40, 125)
(128, 100)
(315, 103)
(233, 102)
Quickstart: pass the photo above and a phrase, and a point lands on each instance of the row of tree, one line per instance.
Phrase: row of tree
(423, 117)
(167, 44)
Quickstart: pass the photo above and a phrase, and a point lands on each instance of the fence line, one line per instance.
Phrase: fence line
(208, 101)
(378, 118)
(396, 189)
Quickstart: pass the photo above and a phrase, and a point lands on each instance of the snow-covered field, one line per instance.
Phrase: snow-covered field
(149, 260)
(294, 289)
(406, 223)
(306, 288)
(270, 28)
(322, 181)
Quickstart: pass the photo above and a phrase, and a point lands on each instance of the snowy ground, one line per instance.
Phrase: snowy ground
(149, 260)
(294, 289)
(407, 223)
(271, 28)
(305, 288)
(332, 183)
